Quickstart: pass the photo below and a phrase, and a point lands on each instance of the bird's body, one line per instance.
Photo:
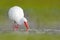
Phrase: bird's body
(16, 14)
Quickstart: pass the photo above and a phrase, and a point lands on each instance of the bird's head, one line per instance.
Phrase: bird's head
(26, 24)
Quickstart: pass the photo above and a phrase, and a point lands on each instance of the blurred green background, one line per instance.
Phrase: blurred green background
(46, 12)
(40, 12)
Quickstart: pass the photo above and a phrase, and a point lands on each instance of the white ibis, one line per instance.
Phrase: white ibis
(16, 14)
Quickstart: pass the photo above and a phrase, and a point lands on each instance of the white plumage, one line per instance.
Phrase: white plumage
(16, 14)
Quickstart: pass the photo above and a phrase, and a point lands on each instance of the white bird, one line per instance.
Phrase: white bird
(16, 14)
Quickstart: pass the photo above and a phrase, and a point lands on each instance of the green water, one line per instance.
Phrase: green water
(19, 36)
